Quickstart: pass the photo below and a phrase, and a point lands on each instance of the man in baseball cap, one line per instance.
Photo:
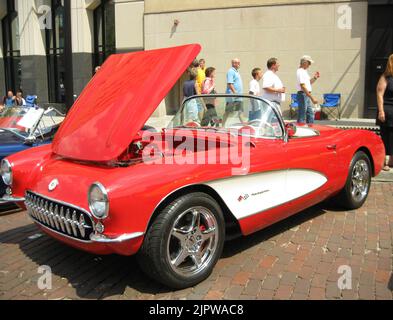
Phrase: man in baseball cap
(307, 58)
(304, 87)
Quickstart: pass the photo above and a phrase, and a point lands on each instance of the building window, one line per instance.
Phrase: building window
(55, 54)
(104, 31)
(11, 48)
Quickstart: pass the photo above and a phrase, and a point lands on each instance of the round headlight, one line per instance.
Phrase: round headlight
(6, 172)
(98, 201)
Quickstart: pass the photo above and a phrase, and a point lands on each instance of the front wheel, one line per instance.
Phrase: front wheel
(357, 187)
(184, 242)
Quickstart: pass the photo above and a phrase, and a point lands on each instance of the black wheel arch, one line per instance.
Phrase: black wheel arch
(370, 157)
(232, 225)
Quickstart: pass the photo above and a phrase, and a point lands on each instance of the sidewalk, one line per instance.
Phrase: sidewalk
(384, 176)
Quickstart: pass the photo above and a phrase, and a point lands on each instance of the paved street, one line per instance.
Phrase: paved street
(294, 259)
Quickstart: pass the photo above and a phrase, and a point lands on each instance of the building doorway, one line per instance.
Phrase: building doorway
(11, 48)
(379, 47)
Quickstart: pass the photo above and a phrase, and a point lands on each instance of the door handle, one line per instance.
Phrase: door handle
(331, 147)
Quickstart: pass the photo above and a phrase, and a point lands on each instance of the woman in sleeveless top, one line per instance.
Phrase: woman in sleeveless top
(385, 111)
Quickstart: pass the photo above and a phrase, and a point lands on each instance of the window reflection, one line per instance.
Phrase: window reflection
(237, 114)
(104, 31)
(11, 48)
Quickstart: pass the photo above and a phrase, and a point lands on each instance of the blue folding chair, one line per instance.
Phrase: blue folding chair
(331, 104)
(31, 101)
(294, 105)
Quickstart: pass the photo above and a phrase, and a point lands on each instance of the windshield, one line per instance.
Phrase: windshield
(230, 113)
(29, 121)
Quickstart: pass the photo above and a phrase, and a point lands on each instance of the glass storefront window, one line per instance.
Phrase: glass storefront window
(104, 31)
(55, 54)
(11, 48)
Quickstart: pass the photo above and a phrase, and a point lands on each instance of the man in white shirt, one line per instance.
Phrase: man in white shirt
(304, 87)
(273, 88)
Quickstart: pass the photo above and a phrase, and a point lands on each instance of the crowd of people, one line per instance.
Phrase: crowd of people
(11, 100)
(267, 85)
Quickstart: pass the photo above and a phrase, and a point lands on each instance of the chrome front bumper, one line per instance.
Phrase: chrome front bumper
(100, 238)
(10, 199)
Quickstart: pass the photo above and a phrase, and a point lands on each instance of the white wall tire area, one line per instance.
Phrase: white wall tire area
(358, 183)
(184, 242)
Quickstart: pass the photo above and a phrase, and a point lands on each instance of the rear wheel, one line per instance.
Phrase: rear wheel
(357, 187)
(184, 242)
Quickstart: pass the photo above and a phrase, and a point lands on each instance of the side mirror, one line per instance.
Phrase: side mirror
(291, 129)
(29, 141)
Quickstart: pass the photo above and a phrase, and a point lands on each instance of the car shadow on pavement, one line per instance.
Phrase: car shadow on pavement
(243, 243)
(80, 275)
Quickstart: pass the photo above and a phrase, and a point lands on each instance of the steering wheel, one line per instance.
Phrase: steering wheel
(262, 126)
(259, 123)
(193, 124)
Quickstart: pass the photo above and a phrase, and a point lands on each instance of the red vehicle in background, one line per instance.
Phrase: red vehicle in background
(106, 186)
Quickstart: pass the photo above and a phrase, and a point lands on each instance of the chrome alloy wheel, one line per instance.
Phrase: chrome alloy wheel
(360, 180)
(192, 241)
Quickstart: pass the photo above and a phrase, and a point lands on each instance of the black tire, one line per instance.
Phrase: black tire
(348, 198)
(161, 241)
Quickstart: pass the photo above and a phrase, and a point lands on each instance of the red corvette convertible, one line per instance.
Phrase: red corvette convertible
(113, 182)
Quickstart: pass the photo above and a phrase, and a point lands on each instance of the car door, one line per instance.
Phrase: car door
(252, 193)
(311, 161)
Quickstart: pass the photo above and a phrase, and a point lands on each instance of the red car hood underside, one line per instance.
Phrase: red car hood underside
(117, 102)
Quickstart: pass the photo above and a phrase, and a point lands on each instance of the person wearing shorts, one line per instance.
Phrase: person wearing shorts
(234, 86)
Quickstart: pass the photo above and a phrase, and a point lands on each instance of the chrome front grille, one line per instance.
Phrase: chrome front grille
(59, 217)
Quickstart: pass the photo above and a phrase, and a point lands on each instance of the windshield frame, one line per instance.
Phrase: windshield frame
(34, 132)
(269, 103)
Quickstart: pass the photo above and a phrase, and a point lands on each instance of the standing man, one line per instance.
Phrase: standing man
(9, 100)
(234, 86)
(304, 87)
(201, 76)
(273, 88)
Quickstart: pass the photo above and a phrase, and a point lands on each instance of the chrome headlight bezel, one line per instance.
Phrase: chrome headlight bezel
(97, 193)
(6, 172)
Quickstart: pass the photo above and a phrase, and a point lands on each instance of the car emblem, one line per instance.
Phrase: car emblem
(53, 184)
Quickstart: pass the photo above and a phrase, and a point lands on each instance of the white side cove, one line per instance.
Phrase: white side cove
(248, 195)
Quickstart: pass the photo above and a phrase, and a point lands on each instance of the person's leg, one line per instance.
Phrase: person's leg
(301, 114)
(309, 111)
(228, 111)
(242, 117)
(208, 117)
(385, 138)
(255, 115)
(192, 111)
(389, 148)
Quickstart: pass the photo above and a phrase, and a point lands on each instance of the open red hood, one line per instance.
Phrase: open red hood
(117, 102)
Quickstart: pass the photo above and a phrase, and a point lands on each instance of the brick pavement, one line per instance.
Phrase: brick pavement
(295, 259)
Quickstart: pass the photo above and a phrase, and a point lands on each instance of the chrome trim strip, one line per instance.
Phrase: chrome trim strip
(61, 234)
(7, 199)
(100, 238)
(206, 183)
